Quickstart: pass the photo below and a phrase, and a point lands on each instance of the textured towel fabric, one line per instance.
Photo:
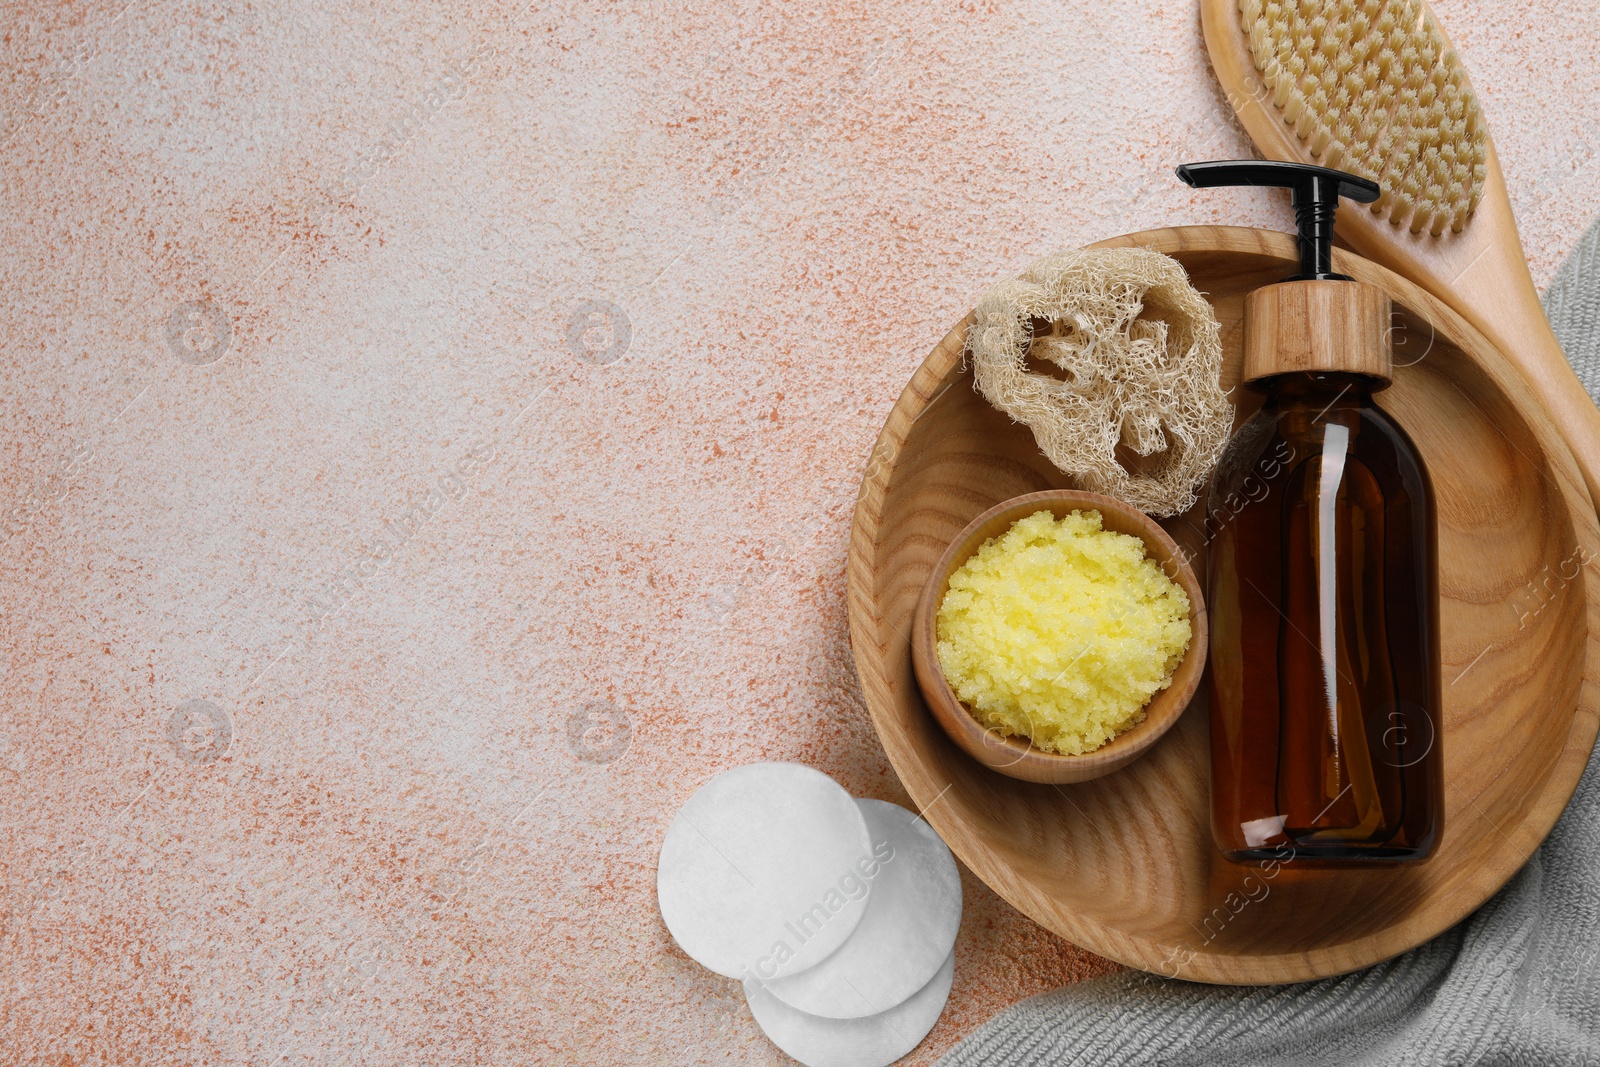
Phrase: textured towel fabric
(1518, 983)
(1573, 304)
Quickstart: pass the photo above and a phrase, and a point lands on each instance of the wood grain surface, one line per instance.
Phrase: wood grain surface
(1480, 272)
(1124, 865)
(1306, 326)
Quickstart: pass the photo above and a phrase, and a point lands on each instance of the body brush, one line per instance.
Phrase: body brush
(1373, 87)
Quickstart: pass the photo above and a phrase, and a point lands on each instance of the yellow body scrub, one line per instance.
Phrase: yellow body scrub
(1061, 631)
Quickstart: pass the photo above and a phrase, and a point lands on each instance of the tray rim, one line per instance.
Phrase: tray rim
(1143, 953)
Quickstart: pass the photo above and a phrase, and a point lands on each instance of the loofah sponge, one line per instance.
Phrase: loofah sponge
(1150, 384)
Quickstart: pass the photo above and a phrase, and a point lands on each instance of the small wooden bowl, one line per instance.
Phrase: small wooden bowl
(1016, 756)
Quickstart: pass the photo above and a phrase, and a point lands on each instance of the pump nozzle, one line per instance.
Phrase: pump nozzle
(1316, 200)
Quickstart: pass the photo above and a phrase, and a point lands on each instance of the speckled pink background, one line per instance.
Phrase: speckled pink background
(273, 276)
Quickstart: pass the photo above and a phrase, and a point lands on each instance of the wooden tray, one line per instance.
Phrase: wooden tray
(1124, 865)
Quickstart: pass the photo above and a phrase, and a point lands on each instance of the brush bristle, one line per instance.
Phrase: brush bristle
(1369, 87)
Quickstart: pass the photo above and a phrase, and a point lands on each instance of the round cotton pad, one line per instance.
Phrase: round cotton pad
(875, 1041)
(908, 929)
(759, 871)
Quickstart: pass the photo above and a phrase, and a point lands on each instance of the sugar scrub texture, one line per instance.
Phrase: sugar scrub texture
(1061, 631)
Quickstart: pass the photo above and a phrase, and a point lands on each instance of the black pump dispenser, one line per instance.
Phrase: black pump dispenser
(1316, 200)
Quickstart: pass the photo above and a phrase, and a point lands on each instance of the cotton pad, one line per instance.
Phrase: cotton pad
(875, 1041)
(760, 872)
(909, 927)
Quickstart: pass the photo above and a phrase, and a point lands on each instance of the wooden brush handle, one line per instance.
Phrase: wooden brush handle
(1503, 304)
(1482, 274)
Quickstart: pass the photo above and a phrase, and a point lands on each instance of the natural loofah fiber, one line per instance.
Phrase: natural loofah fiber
(1148, 383)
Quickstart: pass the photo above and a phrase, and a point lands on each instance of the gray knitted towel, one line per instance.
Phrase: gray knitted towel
(1518, 983)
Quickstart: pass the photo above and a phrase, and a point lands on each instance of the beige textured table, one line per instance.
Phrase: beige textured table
(427, 446)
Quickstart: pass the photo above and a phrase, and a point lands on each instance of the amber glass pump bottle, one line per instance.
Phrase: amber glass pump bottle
(1324, 683)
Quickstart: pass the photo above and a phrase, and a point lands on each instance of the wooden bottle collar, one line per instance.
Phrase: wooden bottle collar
(1317, 326)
